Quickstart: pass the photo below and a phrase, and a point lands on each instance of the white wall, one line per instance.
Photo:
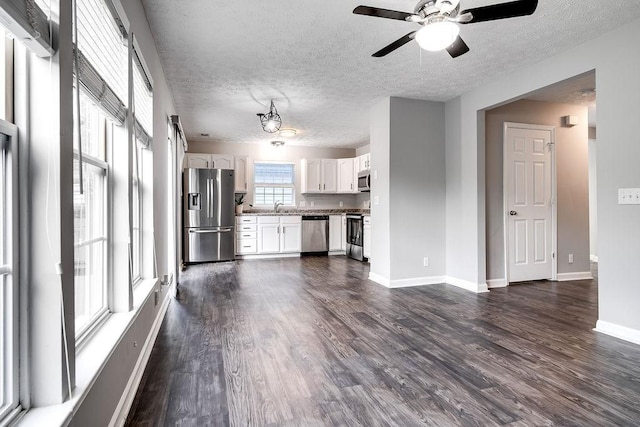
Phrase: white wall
(616, 59)
(410, 188)
(288, 153)
(380, 136)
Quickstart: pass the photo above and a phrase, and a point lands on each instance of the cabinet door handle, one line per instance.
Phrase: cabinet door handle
(245, 185)
(325, 187)
(352, 186)
(284, 229)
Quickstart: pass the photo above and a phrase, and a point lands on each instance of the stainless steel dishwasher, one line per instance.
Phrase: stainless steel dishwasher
(315, 234)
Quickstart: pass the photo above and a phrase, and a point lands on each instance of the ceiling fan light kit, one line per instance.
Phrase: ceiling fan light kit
(439, 20)
(271, 121)
(277, 144)
(437, 35)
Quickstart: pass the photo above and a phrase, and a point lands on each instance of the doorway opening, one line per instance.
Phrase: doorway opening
(569, 108)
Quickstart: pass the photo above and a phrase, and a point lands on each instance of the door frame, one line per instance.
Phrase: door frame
(554, 196)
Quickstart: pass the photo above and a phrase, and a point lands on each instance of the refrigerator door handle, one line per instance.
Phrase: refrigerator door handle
(222, 230)
(210, 185)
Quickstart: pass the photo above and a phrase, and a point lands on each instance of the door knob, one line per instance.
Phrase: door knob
(513, 213)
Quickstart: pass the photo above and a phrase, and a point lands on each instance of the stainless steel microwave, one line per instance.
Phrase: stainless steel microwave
(364, 181)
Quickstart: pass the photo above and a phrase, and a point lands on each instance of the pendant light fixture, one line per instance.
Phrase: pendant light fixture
(271, 121)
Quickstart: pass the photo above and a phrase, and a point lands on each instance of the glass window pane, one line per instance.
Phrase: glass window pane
(274, 182)
(90, 244)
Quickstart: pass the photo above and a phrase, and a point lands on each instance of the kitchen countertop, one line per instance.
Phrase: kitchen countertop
(283, 211)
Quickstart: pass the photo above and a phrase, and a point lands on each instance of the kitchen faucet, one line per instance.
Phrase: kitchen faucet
(276, 205)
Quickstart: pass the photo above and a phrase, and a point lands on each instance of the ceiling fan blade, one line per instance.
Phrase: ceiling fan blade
(381, 13)
(459, 47)
(501, 11)
(393, 46)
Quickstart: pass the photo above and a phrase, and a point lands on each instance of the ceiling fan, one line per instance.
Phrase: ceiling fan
(440, 19)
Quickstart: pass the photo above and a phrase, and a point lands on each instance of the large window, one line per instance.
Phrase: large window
(274, 182)
(8, 284)
(9, 308)
(90, 217)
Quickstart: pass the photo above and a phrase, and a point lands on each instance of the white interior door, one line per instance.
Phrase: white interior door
(529, 199)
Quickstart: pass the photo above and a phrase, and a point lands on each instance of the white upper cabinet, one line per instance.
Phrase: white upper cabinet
(198, 161)
(222, 161)
(209, 161)
(242, 174)
(329, 175)
(311, 172)
(364, 162)
(347, 176)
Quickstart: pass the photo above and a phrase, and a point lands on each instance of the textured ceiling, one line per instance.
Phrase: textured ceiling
(225, 59)
(579, 90)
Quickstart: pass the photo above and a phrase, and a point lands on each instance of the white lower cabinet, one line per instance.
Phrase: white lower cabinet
(279, 234)
(337, 239)
(366, 236)
(246, 235)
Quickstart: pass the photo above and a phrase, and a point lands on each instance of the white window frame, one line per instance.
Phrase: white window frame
(136, 182)
(270, 185)
(99, 317)
(9, 280)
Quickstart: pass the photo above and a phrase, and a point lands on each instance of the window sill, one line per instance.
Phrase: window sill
(91, 360)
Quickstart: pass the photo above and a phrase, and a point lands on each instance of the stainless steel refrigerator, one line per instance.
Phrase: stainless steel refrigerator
(209, 215)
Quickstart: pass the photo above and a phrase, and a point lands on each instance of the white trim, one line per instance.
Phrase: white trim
(267, 256)
(618, 331)
(580, 275)
(381, 280)
(478, 288)
(593, 258)
(497, 283)
(554, 195)
(417, 281)
(124, 405)
(426, 281)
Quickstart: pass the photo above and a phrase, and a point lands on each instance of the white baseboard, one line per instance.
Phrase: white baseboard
(381, 280)
(406, 283)
(129, 393)
(617, 331)
(581, 275)
(497, 283)
(478, 288)
(593, 258)
(432, 280)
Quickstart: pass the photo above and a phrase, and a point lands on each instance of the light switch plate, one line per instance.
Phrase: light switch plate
(629, 196)
(303, 204)
(376, 200)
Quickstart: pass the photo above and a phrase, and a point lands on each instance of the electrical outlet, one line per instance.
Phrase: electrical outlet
(341, 203)
(570, 258)
(303, 204)
(312, 203)
(376, 200)
(629, 196)
(426, 261)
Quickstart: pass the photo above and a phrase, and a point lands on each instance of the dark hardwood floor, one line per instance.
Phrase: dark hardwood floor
(312, 342)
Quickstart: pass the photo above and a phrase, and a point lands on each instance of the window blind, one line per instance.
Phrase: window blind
(100, 91)
(103, 45)
(273, 173)
(28, 23)
(142, 97)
